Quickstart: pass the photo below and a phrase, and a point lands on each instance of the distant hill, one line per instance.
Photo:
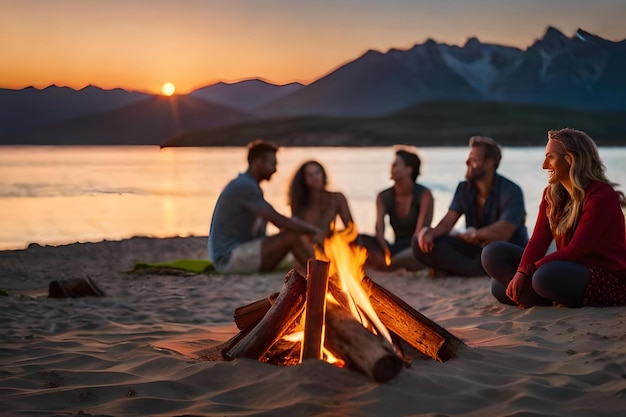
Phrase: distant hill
(62, 115)
(147, 122)
(245, 95)
(437, 123)
(32, 108)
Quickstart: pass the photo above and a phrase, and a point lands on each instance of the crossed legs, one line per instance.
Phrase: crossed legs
(557, 281)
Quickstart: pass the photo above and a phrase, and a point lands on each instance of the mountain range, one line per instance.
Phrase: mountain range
(584, 72)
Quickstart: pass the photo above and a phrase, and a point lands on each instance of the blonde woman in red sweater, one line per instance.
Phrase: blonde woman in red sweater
(581, 211)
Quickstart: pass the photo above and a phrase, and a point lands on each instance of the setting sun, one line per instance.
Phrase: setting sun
(168, 89)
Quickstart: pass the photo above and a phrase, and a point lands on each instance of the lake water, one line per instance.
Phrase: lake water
(59, 195)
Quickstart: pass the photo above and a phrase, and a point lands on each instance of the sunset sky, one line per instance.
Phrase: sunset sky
(141, 44)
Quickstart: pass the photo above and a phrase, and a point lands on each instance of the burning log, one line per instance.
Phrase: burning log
(286, 309)
(317, 285)
(252, 313)
(346, 338)
(283, 352)
(334, 290)
(409, 324)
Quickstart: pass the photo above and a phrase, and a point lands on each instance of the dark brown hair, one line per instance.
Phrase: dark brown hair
(412, 160)
(298, 197)
(258, 147)
(492, 150)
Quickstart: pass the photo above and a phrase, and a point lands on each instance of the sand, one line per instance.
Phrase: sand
(131, 353)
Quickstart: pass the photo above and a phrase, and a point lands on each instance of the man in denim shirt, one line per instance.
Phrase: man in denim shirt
(494, 210)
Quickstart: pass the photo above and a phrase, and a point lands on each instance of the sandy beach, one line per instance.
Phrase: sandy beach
(131, 352)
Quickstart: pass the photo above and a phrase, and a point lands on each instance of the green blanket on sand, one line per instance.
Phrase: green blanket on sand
(176, 267)
(191, 267)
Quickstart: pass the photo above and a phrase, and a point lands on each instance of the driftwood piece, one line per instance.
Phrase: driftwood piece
(413, 327)
(346, 338)
(285, 310)
(75, 287)
(252, 313)
(317, 284)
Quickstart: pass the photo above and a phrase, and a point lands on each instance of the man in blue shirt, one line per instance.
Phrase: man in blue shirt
(237, 240)
(494, 210)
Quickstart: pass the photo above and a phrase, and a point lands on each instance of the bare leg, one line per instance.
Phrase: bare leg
(274, 249)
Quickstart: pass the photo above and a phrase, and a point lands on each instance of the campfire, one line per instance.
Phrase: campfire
(336, 314)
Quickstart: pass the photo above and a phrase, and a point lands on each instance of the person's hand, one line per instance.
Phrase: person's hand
(470, 236)
(426, 240)
(516, 286)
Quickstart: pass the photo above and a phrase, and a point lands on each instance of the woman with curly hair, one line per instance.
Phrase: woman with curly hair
(581, 211)
(311, 202)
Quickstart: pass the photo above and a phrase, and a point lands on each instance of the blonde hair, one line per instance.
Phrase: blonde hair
(586, 166)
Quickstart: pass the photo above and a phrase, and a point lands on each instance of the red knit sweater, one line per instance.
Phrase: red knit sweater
(598, 240)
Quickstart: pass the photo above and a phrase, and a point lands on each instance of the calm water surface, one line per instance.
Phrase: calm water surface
(58, 195)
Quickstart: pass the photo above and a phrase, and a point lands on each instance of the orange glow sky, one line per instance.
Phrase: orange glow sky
(141, 44)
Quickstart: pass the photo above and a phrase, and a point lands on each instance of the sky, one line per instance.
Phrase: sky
(142, 44)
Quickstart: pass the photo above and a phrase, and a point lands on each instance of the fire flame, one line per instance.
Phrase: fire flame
(298, 336)
(387, 257)
(346, 264)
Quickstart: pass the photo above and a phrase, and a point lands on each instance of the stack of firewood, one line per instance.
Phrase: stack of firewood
(329, 329)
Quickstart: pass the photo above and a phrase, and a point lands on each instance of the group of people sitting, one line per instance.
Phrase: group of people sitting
(581, 211)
